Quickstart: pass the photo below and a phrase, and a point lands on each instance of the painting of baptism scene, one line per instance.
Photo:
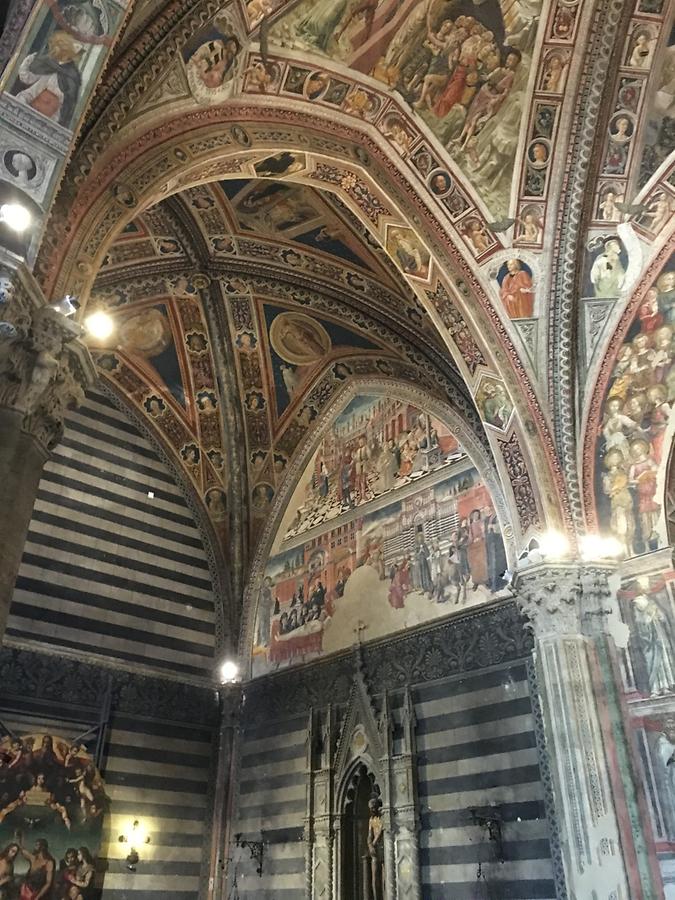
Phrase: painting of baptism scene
(390, 526)
(52, 802)
(632, 462)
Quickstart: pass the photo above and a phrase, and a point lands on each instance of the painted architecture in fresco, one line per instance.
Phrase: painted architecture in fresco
(390, 526)
(52, 802)
(462, 67)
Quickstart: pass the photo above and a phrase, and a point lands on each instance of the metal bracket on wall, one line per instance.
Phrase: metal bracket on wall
(490, 821)
(256, 848)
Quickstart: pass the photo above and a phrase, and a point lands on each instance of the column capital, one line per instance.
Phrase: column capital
(44, 365)
(566, 597)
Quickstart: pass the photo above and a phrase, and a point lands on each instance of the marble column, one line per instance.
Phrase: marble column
(44, 369)
(573, 614)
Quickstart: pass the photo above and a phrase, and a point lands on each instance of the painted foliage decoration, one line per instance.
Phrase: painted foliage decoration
(390, 526)
(463, 67)
(632, 447)
(52, 803)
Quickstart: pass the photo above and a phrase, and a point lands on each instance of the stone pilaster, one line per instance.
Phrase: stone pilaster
(572, 612)
(44, 369)
(319, 838)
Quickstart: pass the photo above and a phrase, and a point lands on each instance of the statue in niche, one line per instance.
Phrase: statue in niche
(654, 635)
(375, 844)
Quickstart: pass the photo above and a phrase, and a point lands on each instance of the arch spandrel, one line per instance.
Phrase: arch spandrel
(97, 217)
(313, 531)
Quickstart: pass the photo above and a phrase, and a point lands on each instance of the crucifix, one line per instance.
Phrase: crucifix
(360, 626)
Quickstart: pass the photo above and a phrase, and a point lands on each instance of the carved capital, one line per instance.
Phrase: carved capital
(566, 598)
(44, 366)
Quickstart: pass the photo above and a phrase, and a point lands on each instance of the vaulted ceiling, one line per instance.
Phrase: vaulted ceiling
(279, 200)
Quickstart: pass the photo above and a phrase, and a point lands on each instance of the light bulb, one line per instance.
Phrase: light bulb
(596, 546)
(15, 216)
(553, 544)
(100, 325)
(229, 672)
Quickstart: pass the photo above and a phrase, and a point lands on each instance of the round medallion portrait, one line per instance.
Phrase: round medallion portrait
(299, 339)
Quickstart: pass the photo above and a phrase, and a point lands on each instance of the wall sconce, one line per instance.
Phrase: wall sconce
(135, 836)
(256, 849)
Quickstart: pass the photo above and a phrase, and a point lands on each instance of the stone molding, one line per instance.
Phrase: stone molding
(486, 636)
(40, 677)
(44, 366)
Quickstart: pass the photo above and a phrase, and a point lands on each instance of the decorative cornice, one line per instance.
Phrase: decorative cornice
(489, 636)
(30, 676)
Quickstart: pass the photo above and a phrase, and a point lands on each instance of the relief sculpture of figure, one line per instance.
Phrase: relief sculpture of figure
(376, 849)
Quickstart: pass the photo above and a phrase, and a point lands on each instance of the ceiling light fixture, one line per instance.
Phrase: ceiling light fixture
(553, 545)
(100, 325)
(229, 672)
(598, 546)
(15, 216)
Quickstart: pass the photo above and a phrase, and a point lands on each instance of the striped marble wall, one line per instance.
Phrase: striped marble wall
(109, 570)
(272, 802)
(157, 763)
(478, 748)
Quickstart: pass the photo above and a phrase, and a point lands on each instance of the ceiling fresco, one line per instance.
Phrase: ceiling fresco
(462, 67)
(627, 293)
(160, 360)
(279, 201)
(290, 351)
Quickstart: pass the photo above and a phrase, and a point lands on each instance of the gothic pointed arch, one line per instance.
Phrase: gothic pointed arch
(355, 482)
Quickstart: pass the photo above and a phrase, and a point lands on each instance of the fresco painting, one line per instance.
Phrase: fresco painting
(294, 212)
(631, 460)
(390, 526)
(300, 344)
(211, 58)
(52, 802)
(659, 126)
(67, 42)
(516, 288)
(462, 66)
(647, 605)
(147, 337)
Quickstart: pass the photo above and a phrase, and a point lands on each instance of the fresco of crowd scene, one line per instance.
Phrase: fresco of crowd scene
(52, 801)
(356, 463)
(636, 414)
(375, 537)
(463, 67)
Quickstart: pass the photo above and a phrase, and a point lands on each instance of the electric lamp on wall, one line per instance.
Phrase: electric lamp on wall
(135, 835)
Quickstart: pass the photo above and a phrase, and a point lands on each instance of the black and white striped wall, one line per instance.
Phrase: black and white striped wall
(114, 566)
(477, 752)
